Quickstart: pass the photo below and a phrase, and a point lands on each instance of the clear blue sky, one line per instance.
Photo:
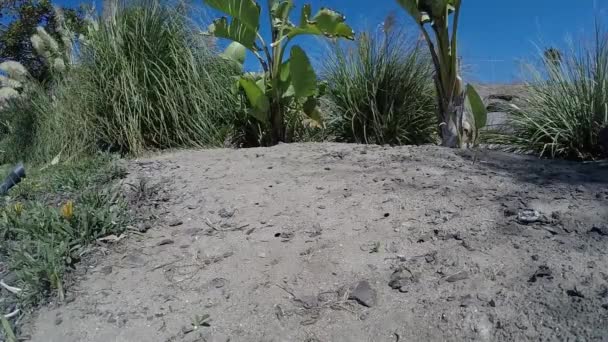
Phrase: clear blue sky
(495, 34)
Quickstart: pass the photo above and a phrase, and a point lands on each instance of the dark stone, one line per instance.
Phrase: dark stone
(463, 275)
(603, 230)
(175, 223)
(575, 293)
(542, 272)
(466, 301)
(165, 242)
(504, 97)
(400, 278)
(106, 270)
(225, 213)
(218, 283)
(363, 293)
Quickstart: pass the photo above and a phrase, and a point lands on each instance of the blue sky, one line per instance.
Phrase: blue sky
(494, 35)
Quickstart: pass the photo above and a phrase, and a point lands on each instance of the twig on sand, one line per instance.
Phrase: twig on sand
(11, 289)
(214, 227)
(286, 290)
(165, 264)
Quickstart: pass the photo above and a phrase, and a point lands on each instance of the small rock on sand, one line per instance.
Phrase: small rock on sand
(363, 293)
(457, 277)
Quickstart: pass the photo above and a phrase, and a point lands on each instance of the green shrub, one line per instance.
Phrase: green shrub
(382, 89)
(146, 81)
(566, 104)
(151, 81)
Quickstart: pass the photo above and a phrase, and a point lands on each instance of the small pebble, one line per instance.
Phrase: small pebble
(165, 242)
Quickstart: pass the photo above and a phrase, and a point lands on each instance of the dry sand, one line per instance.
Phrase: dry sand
(334, 242)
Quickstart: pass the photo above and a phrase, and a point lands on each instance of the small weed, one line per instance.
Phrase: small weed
(201, 321)
(376, 248)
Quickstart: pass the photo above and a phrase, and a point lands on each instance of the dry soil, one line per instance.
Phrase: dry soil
(333, 242)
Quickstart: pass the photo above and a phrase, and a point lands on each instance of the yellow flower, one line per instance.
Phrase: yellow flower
(18, 208)
(67, 210)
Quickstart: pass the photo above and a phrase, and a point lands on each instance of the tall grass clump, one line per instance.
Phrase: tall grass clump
(566, 104)
(152, 82)
(381, 86)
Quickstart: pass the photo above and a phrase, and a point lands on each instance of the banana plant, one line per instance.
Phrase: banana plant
(452, 97)
(286, 79)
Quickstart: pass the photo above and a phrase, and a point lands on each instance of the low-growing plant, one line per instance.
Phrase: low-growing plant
(49, 220)
(566, 105)
(285, 82)
(382, 89)
(453, 98)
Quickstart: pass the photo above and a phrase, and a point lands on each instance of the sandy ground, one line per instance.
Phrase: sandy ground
(333, 242)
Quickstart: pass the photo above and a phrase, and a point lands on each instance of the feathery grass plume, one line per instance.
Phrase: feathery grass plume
(47, 47)
(9, 82)
(7, 93)
(566, 104)
(14, 70)
(382, 90)
(65, 34)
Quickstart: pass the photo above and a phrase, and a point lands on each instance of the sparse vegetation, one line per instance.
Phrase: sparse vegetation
(566, 104)
(382, 89)
(50, 219)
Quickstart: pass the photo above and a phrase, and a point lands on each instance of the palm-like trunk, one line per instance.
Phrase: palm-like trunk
(277, 123)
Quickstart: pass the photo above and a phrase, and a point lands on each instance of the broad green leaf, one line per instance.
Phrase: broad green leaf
(285, 75)
(285, 79)
(303, 76)
(258, 100)
(477, 108)
(8, 331)
(261, 83)
(290, 92)
(235, 52)
(245, 11)
(235, 31)
(326, 22)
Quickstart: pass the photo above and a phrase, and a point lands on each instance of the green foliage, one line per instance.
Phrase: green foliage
(382, 90)
(7, 329)
(150, 81)
(287, 82)
(22, 18)
(43, 123)
(566, 104)
(143, 81)
(450, 92)
(51, 218)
